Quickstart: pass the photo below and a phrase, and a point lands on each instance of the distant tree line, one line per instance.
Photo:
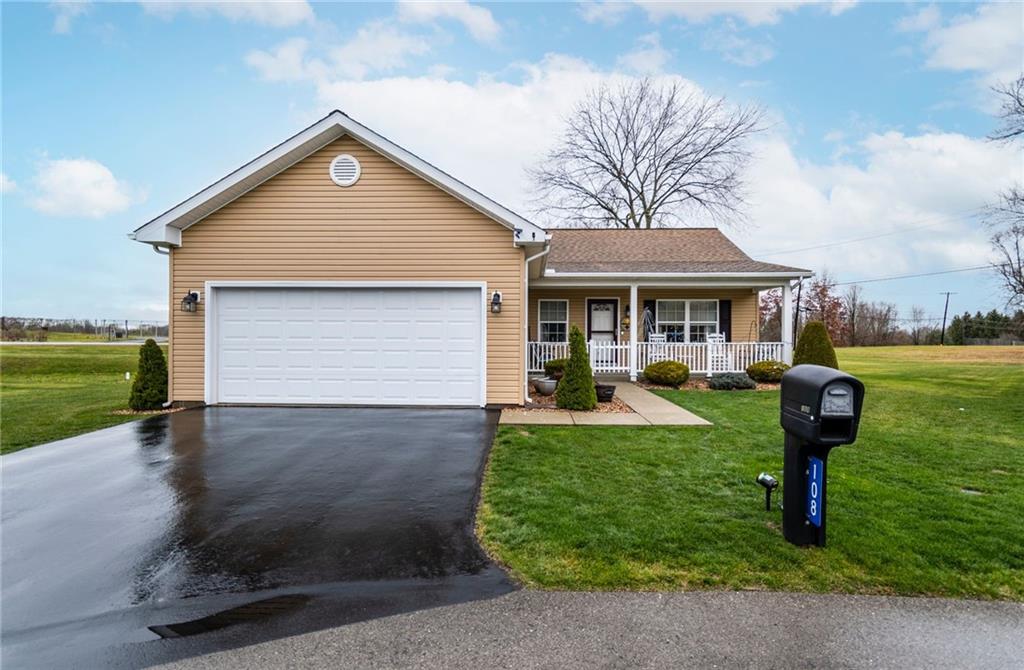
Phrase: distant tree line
(39, 329)
(853, 321)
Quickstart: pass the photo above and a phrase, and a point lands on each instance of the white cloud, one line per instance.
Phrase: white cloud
(752, 13)
(479, 21)
(285, 62)
(276, 14)
(737, 49)
(79, 187)
(7, 184)
(376, 46)
(899, 182)
(607, 13)
(487, 131)
(649, 57)
(988, 41)
(65, 12)
(927, 18)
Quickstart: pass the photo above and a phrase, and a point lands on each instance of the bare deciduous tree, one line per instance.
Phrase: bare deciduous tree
(918, 324)
(645, 155)
(1006, 221)
(1006, 218)
(852, 301)
(1011, 112)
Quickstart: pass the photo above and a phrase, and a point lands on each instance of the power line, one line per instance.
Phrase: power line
(898, 277)
(934, 222)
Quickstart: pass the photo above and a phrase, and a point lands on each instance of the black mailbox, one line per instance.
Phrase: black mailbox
(821, 405)
(820, 410)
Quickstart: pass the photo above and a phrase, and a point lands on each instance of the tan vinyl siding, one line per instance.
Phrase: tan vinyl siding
(390, 226)
(744, 305)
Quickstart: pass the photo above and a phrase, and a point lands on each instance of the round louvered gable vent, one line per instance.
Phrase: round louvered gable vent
(345, 170)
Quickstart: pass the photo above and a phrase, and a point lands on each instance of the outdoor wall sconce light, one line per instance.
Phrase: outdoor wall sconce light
(189, 302)
(496, 303)
(769, 483)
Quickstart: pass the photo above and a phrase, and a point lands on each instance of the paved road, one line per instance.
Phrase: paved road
(115, 540)
(529, 629)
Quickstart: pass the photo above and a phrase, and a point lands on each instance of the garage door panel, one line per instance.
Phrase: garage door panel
(349, 346)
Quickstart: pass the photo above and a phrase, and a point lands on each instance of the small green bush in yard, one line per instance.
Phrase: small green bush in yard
(731, 381)
(576, 389)
(556, 366)
(667, 373)
(815, 347)
(767, 372)
(149, 391)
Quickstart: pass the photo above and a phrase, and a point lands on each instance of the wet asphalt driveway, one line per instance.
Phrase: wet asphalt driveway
(178, 523)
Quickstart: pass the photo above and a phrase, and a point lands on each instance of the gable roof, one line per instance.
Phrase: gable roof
(653, 251)
(165, 230)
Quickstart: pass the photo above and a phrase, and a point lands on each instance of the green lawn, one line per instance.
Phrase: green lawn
(930, 500)
(51, 392)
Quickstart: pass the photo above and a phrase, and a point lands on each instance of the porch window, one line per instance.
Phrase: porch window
(553, 320)
(687, 320)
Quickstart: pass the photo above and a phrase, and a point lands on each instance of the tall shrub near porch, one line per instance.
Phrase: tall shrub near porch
(576, 389)
(815, 346)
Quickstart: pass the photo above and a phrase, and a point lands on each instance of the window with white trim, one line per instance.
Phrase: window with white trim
(687, 320)
(553, 320)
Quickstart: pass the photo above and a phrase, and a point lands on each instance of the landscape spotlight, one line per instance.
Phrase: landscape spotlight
(769, 483)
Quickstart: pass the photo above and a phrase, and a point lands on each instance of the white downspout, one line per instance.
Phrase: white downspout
(526, 319)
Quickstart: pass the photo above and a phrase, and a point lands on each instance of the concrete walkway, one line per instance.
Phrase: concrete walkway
(534, 629)
(650, 410)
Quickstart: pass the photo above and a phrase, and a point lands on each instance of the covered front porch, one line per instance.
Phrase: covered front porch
(710, 324)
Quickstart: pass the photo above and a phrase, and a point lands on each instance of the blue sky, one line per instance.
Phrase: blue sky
(112, 113)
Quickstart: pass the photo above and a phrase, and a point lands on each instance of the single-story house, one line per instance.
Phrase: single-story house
(339, 268)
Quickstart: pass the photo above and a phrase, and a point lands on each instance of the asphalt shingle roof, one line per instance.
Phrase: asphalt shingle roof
(652, 250)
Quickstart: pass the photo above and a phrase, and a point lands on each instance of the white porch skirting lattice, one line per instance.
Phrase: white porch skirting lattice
(702, 358)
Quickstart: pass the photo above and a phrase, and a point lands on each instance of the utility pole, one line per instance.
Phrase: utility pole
(942, 333)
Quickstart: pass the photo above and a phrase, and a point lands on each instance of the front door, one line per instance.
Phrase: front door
(602, 327)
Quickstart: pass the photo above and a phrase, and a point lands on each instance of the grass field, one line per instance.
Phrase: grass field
(51, 392)
(929, 501)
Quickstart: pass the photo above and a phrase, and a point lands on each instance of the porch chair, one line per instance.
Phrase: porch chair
(719, 356)
(656, 350)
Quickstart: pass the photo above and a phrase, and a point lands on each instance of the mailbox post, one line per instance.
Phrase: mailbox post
(820, 410)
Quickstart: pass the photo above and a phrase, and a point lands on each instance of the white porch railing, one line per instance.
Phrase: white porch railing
(605, 357)
(702, 358)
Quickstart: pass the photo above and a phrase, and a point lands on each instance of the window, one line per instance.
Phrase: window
(553, 320)
(687, 320)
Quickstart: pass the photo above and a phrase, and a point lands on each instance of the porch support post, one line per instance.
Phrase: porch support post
(634, 316)
(787, 323)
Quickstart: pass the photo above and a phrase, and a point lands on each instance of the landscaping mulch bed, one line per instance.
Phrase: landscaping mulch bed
(699, 383)
(542, 403)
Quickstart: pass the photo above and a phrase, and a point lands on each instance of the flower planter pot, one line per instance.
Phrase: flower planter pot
(605, 392)
(545, 386)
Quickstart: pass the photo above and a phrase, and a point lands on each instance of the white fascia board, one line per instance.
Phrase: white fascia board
(321, 133)
(687, 280)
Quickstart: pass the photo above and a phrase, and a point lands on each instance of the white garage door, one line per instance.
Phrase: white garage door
(361, 346)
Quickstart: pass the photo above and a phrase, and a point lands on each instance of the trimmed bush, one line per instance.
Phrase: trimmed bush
(731, 381)
(767, 372)
(815, 347)
(555, 367)
(576, 389)
(667, 373)
(149, 390)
